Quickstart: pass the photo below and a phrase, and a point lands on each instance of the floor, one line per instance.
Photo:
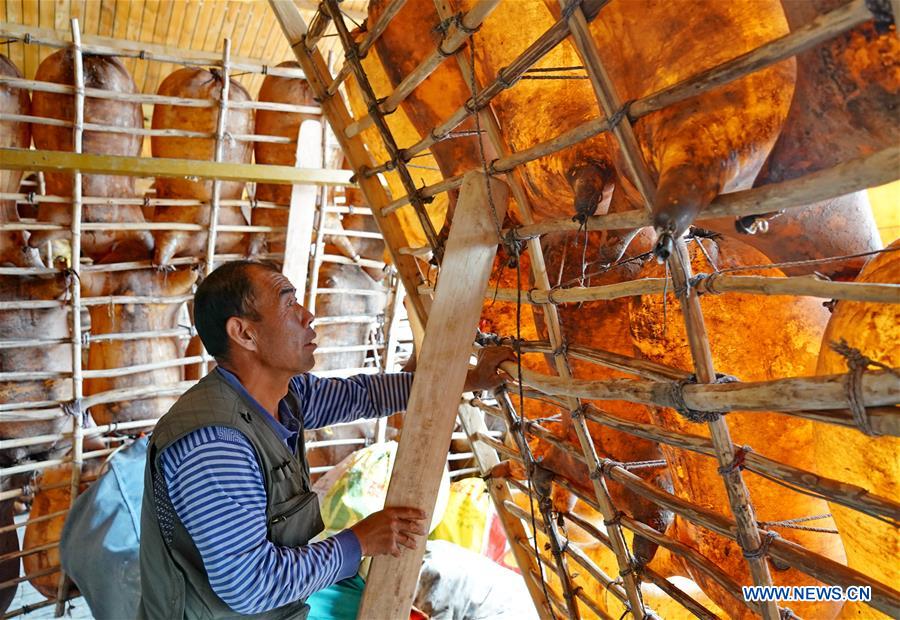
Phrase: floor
(26, 595)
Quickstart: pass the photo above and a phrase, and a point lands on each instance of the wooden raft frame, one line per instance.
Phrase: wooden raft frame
(563, 391)
(308, 200)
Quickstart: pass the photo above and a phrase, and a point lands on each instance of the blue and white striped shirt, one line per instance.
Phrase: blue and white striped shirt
(217, 491)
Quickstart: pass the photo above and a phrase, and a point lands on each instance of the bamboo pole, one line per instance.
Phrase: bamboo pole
(123, 226)
(826, 394)
(545, 506)
(392, 319)
(140, 131)
(714, 283)
(636, 366)
(614, 587)
(219, 154)
(25, 609)
(77, 414)
(318, 241)
(109, 46)
(125, 371)
(41, 519)
(451, 41)
(108, 396)
(505, 79)
(368, 41)
(884, 597)
(37, 440)
(571, 550)
(489, 121)
(689, 554)
(89, 163)
(748, 535)
(821, 29)
(387, 138)
(34, 199)
(317, 27)
(29, 491)
(349, 209)
(843, 493)
(868, 171)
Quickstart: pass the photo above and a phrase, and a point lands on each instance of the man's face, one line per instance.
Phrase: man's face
(284, 335)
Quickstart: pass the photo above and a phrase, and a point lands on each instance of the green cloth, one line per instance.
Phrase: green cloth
(337, 602)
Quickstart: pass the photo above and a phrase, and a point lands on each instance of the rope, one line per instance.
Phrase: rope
(858, 363)
(815, 261)
(706, 283)
(792, 524)
(737, 461)
(676, 391)
(763, 548)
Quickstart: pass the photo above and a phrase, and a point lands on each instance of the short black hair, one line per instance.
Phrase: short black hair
(226, 292)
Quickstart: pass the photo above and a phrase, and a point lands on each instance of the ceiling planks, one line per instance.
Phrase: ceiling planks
(198, 24)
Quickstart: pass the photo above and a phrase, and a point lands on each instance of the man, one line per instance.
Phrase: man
(228, 512)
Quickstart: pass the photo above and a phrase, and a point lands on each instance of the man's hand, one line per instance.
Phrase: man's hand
(485, 376)
(389, 530)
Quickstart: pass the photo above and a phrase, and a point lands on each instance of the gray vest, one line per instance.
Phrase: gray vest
(174, 583)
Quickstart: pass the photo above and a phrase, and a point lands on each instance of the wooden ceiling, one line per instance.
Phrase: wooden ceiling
(192, 24)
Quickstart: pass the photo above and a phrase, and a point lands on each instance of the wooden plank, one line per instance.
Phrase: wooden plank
(149, 17)
(18, 159)
(164, 21)
(15, 51)
(90, 17)
(120, 18)
(302, 213)
(32, 52)
(213, 27)
(107, 18)
(61, 14)
(440, 377)
(45, 11)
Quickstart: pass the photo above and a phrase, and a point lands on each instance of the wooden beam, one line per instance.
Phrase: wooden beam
(472, 421)
(20, 159)
(440, 378)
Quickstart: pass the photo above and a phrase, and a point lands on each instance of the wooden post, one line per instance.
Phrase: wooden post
(748, 535)
(514, 424)
(298, 238)
(472, 421)
(440, 377)
(75, 291)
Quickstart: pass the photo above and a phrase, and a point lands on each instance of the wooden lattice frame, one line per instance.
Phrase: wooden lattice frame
(79, 163)
(847, 177)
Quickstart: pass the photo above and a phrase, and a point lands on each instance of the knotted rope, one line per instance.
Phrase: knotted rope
(858, 364)
(677, 394)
